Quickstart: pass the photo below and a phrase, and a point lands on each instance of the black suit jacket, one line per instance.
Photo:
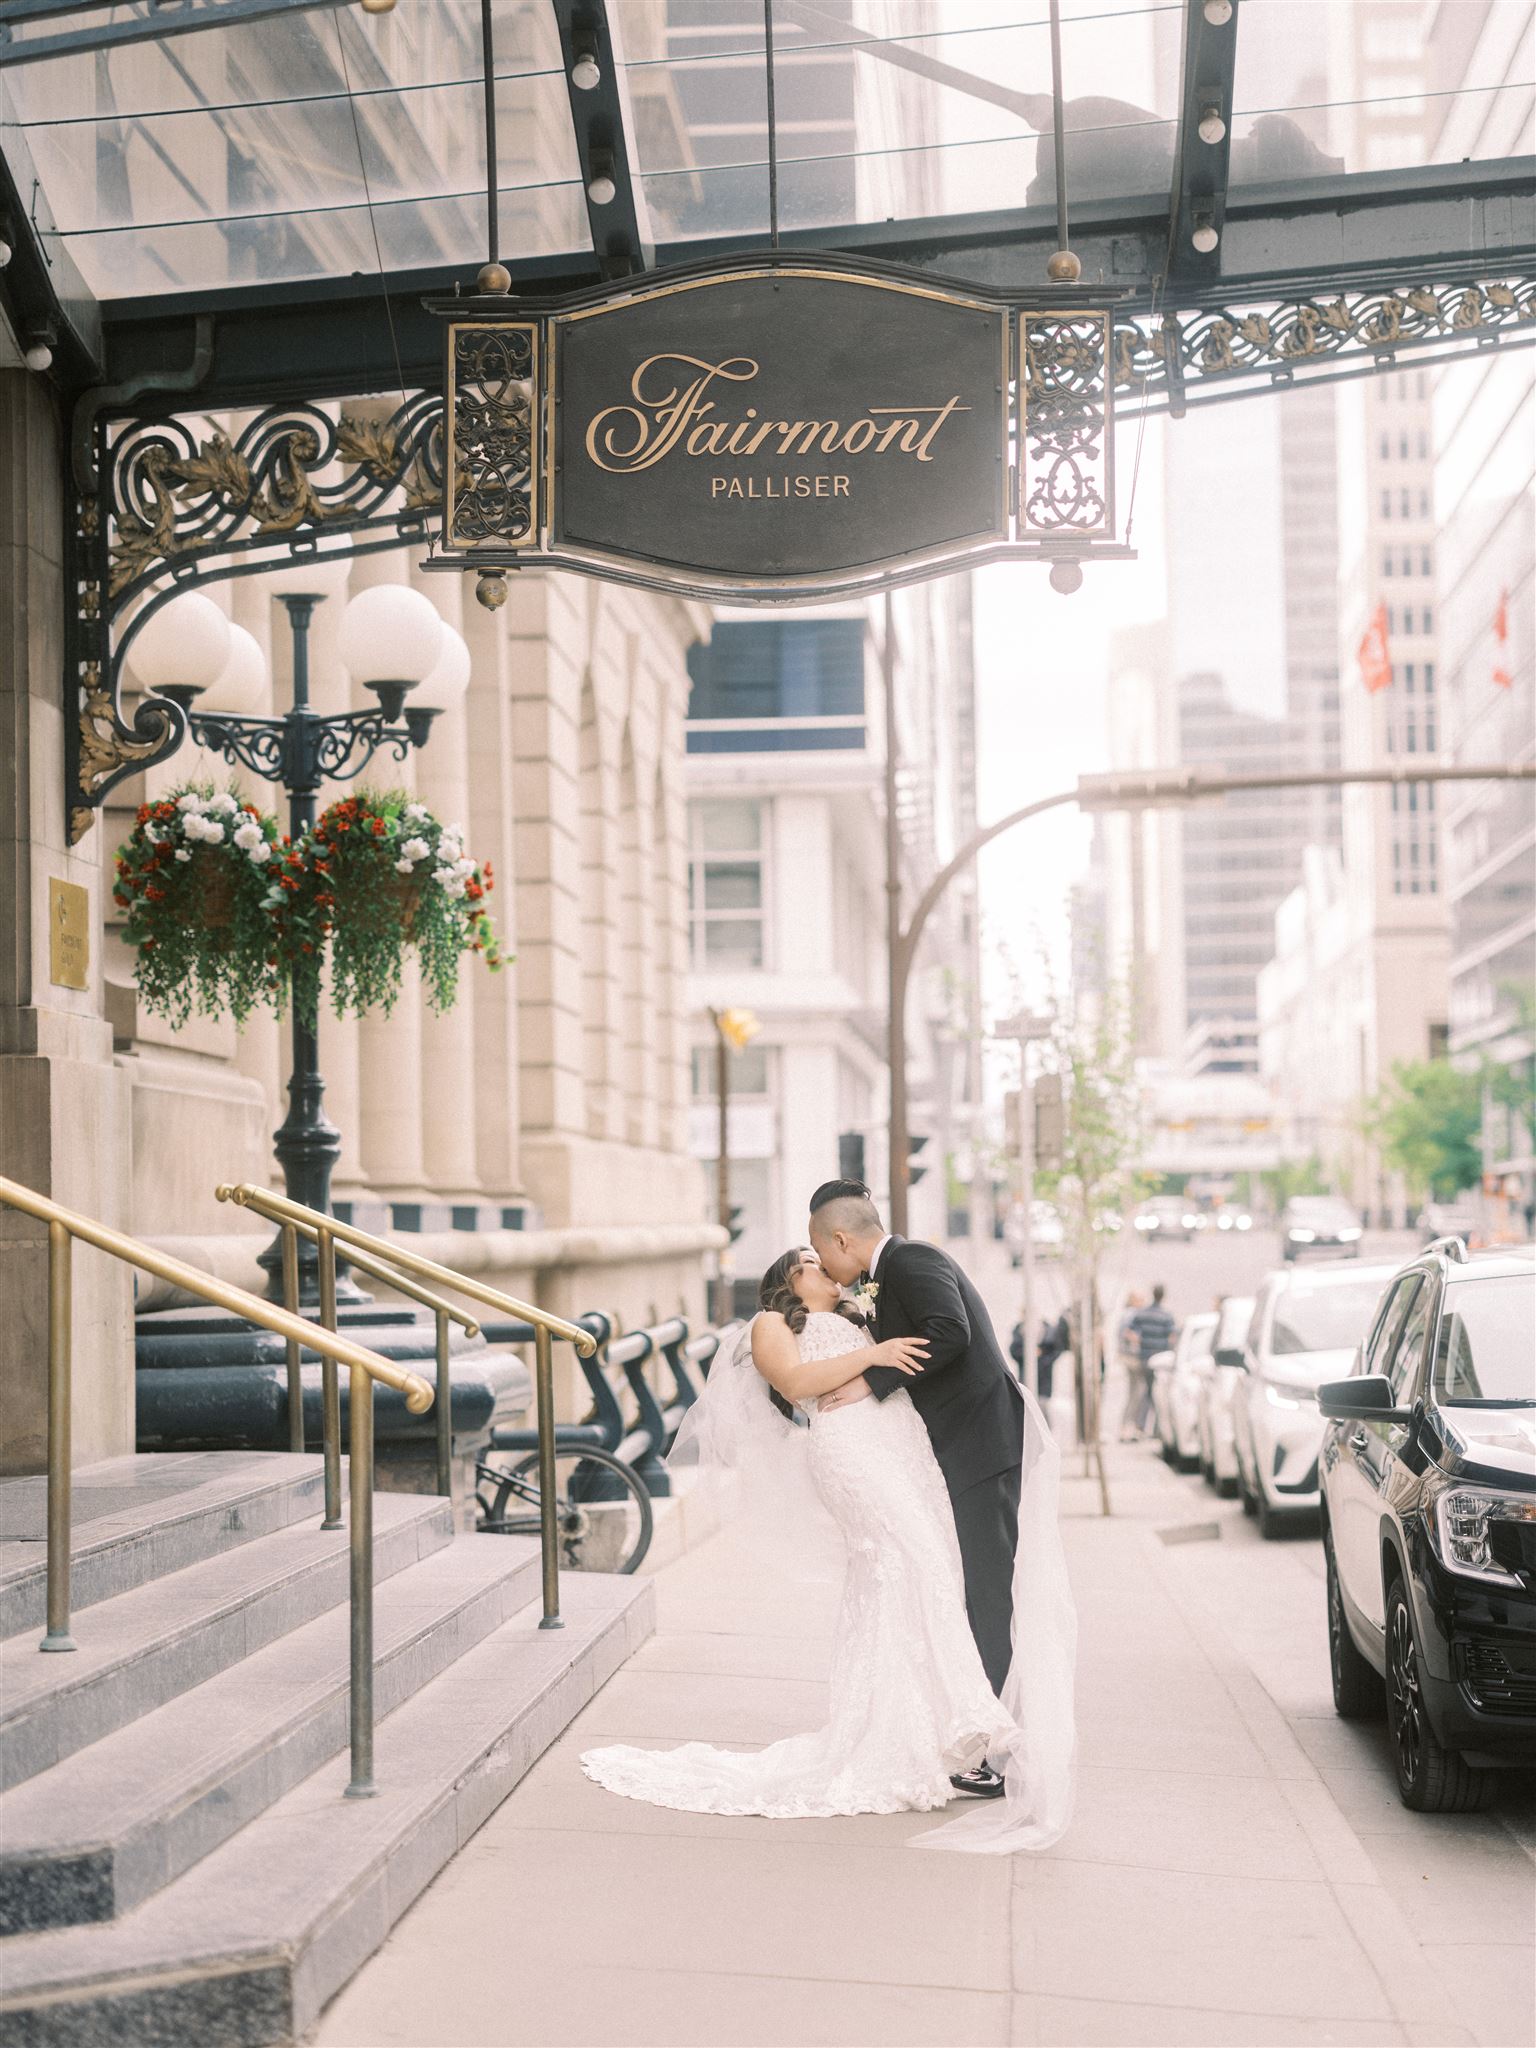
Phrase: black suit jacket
(969, 1401)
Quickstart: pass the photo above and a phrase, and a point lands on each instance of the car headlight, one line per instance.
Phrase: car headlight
(1245, 1223)
(1302, 1236)
(1466, 1521)
(1349, 1236)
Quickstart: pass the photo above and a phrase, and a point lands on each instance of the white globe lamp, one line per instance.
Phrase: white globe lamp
(390, 641)
(449, 679)
(239, 685)
(182, 649)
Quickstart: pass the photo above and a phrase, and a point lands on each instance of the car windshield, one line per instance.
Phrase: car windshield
(1324, 1315)
(1198, 1342)
(1323, 1209)
(1487, 1341)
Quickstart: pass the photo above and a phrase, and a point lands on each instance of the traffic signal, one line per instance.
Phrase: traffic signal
(1050, 1131)
(850, 1155)
(734, 1223)
(914, 1171)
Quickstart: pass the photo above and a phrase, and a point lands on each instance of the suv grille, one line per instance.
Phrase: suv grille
(1497, 1685)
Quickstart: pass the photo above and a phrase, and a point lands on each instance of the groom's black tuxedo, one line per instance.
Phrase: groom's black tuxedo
(973, 1409)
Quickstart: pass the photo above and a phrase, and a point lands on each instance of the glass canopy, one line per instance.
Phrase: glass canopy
(323, 143)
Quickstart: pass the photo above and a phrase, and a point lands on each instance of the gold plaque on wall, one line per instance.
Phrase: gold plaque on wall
(69, 934)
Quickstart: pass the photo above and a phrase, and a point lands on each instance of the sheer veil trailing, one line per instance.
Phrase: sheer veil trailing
(746, 1461)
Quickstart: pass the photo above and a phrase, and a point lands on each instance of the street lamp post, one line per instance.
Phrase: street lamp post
(1027, 1030)
(389, 632)
(1130, 790)
(734, 1031)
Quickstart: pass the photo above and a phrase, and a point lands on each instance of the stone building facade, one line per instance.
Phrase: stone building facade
(535, 1133)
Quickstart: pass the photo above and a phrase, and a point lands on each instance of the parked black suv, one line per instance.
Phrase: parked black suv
(1429, 1522)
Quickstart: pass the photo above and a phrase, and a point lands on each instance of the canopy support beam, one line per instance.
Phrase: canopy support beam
(617, 216)
(1198, 202)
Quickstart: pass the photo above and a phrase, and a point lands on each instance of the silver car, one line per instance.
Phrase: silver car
(1218, 1454)
(1176, 1377)
(1306, 1328)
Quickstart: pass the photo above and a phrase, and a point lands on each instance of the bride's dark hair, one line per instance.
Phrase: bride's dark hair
(776, 1292)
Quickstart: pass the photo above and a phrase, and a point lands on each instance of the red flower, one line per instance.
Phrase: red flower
(155, 895)
(141, 816)
(378, 828)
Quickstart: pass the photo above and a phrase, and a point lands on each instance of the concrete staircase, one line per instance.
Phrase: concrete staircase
(177, 1862)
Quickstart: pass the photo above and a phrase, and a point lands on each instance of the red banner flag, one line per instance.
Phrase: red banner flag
(1501, 674)
(1374, 655)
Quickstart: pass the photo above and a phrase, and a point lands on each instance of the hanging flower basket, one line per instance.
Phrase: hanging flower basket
(193, 880)
(381, 875)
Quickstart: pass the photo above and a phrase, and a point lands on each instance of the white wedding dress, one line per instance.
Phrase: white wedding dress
(909, 1699)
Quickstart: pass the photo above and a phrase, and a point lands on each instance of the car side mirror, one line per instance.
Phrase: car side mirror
(1231, 1354)
(1365, 1398)
(1160, 1361)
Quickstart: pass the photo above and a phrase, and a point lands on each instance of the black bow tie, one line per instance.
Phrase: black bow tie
(862, 1281)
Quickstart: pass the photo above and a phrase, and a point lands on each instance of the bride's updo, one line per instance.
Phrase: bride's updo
(775, 1292)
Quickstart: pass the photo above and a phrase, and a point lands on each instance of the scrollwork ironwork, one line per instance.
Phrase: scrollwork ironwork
(1065, 482)
(492, 459)
(301, 753)
(1158, 356)
(182, 500)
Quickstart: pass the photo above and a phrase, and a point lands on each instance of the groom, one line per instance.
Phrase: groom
(969, 1401)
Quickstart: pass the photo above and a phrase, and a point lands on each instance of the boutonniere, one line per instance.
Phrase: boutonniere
(864, 1297)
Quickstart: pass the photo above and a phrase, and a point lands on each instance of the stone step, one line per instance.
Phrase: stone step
(145, 1647)
(102, 1831)
(138, 1518)
(248, 1947)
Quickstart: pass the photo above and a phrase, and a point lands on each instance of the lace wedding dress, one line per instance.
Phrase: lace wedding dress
(909, 1700)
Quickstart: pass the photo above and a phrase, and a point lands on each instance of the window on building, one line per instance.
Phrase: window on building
(1405, 502)
(1388, 561)
(725, 883)
(779, 668)
(1423, 504)
(1426, 563)
(1386, 504)
(1386, 447)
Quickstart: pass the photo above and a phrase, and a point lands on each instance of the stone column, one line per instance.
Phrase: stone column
(489, 816)
(449, 1107)
(389, 1048)
(546, 635)
(63, 1121)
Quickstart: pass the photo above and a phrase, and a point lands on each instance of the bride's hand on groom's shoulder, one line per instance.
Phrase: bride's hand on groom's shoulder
(907, 1354)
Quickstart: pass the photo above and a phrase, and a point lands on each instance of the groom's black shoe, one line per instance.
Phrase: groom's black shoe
(982, 1783)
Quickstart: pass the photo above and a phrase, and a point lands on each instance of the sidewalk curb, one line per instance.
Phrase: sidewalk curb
(1408, 1982)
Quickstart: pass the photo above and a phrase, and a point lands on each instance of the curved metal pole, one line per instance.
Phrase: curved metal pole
(1134, 790)
(903, 953)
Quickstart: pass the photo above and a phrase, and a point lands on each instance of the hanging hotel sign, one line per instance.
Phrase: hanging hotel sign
(773, 428)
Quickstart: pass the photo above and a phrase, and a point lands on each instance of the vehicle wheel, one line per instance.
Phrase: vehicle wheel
(1430, 1778)
(1226, 1488)
(1357, 1692)
(603, 1513)
(1271, 1520)
(1245, 1491)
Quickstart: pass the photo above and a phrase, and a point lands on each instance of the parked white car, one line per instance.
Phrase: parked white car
(1307, 1327)
(1176, 1377)
(1218, 1454)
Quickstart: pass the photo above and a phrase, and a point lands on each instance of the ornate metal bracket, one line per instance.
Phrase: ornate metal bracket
(303, 751)
(181, 501)
(1164, 363)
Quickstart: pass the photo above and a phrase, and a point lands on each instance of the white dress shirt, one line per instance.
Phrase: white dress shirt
(874, 1257)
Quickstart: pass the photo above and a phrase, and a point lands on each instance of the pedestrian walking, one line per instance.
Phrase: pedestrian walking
(1152, 1328)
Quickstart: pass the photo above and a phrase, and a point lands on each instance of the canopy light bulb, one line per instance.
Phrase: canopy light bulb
(6, 252)
(1218, 12)
(602, 191)
(586, 73)
(1212, 127)
(39, 356)
(378, 6)
(1205, 237)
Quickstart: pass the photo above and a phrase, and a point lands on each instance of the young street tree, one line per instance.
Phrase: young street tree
(1095, 1180)
(1427, 1121)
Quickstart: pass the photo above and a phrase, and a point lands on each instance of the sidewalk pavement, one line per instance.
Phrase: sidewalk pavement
(1239, 1870)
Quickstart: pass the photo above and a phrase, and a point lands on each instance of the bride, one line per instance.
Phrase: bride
(910, 1704)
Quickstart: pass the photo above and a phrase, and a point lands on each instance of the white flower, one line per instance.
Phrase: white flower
(214, 834)
(225, 803)
(448, 848)
(152, 835)
(261, 854)
(404, 867)
(415, 812)
(248, 835)
(182, 853)
(414, 850)
(190, 801)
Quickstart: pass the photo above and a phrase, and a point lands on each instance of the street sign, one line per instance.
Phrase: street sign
(1050, 1129)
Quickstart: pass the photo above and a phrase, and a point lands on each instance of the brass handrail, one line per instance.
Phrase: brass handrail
(279, 1209)
(330, 1393)
(64, 1225)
